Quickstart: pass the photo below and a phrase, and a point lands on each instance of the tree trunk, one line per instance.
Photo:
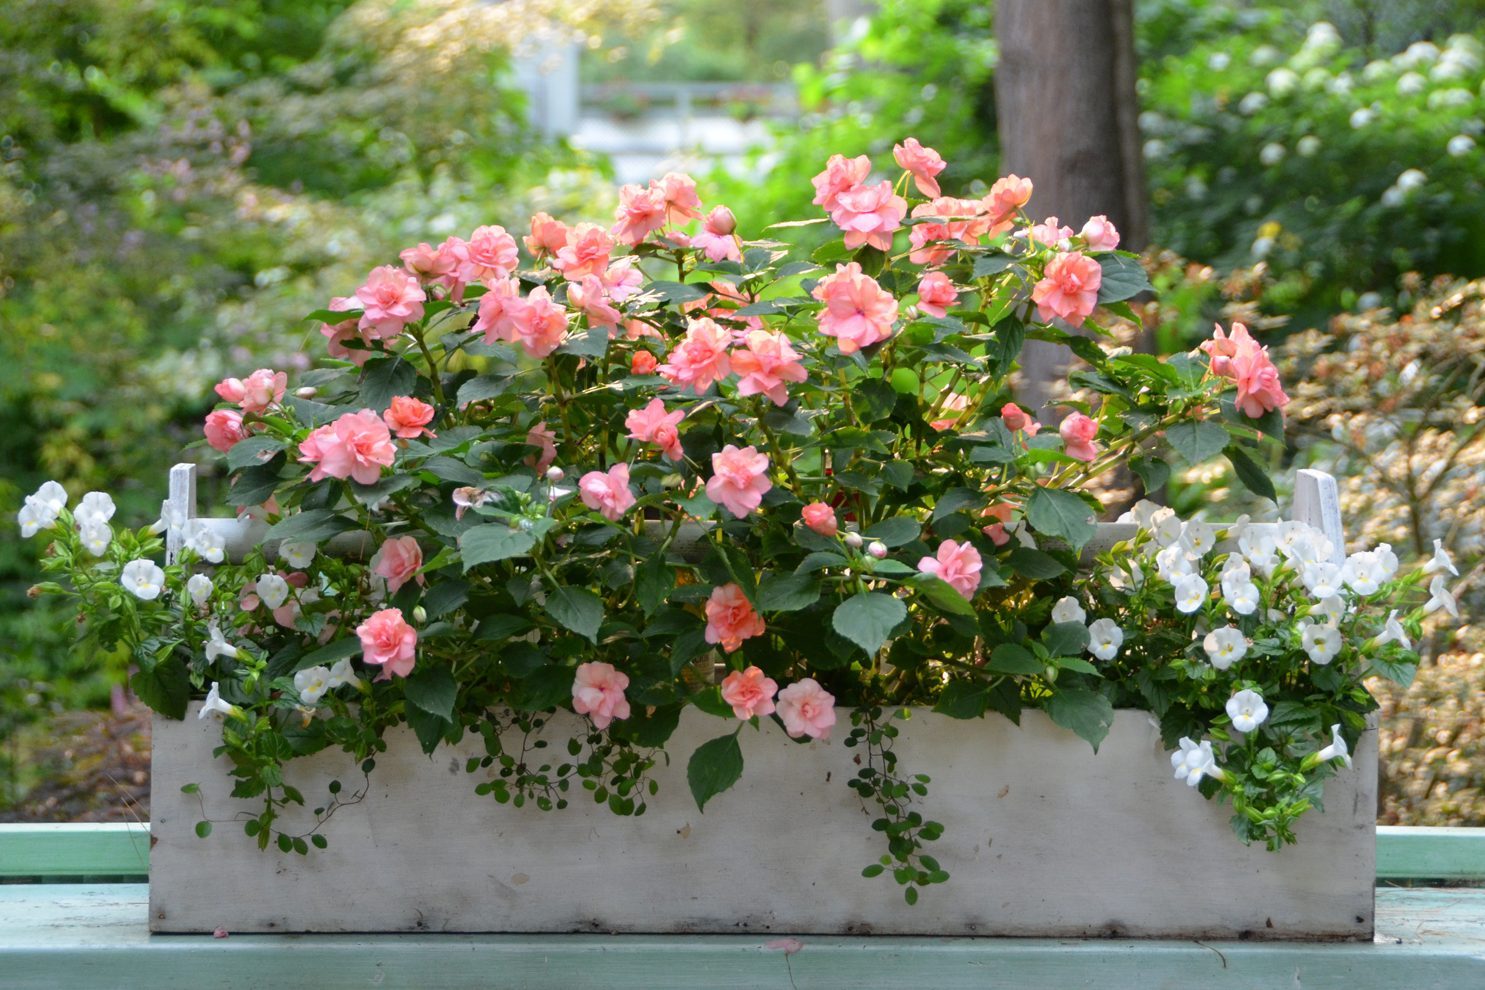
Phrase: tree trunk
(1068, 120)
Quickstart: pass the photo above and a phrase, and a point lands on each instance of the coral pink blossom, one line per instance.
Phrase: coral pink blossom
(820, 517)
(1008, 195)
(954, 405)
(643, 363)
(591, 298)
(1001, 513)
(841, 174)
(869, 215)
(1077, 433)
(356, 446)
(858, 312)
(622, 280)
(1099, 234)
(961, 220)
(223, 429)
(1016, 418)
(497, 309)
(739, 479)
(390, 299)
(388, 642)
(936, 294)
(678, 192)
(398, 561)
(653, 424)
(923, 163)
(339, 334)
(700, 359)
(545, 442)
(1258, 387)
(717, 239)
(607, 492)
(489, 255)
(1070, 288)
(408, 417)
(750, 692)
(640, 212)
(586, 252)
(764, 364)
(1049, 233)
(957, 564)
(730, 618)
(598, 692)
(547, 237)
(806, 709)
(433, 265)
(256, 392)
(539, 322)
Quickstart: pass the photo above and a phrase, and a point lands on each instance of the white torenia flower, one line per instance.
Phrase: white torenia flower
(1235, 570)
(1199, 538)
(1331, 609)
(1258, 548)
(1174, 563)
(1166, 526)
(199, 587)
(217, 645)
(272, 590)
(94, 507)
(1440, 561)
(1440, 598)
(1247, 710)
(1067, 609)
(1363, 573)
(1225, 646)
(205, 541)
(143, 579)
(215, 705)
(1243, 599)
(297, 554)
(1104, 638)
(1321, 578)
(1387, 560)
(312, 683)
(1191, 593)
(1321, 642)
(171, 518)
(1393, 632)
(341, 674)
(1192, 762)
(1337, 750)
(1141, 514)
(41, 509)
(95, 536)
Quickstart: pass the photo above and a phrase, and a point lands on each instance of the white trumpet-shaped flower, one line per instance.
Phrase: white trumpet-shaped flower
(1247, 710)
(1440, 561)
(1199, 538)
(1337, 750)
(1067, 609)
(1242, 598)
(1192, 762)
(272, 590)
(199, 587)
(1393, 632)
(297, 554)
(95, 536)
(1323, 579)
(95, 507)
(341, 674)
(41, 509)
(1321, 642)
(205, 541)
(312, 683)
(1105, 638)
(1225, 646)
(217, 645)
(143, 579)
(1440, 598)
(215, 705)
(1362, 572)
(1191, 593)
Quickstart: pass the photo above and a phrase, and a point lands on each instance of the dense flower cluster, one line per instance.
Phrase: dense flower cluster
(655, 466)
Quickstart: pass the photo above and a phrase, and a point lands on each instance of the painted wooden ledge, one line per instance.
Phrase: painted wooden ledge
(83, 936)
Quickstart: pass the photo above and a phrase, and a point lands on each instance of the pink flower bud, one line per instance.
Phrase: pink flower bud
(877, 549)
(853, 540)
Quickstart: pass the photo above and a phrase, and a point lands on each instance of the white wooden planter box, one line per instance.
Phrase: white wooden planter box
(1042, 838)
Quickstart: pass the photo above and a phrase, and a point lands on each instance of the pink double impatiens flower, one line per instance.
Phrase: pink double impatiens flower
(387, 641)
(598, 692)
(740, 479)
(356, 446)
(957, 564)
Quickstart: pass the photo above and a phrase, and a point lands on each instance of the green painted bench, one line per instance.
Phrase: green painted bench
(73, 902)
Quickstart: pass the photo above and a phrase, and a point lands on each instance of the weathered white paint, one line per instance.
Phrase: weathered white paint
(1043, 837)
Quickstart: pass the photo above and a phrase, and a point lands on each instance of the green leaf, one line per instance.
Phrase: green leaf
(1035, 564)
(787, 592)
(203, 829)
(868, 619)
(164, 686)
(433, 690)
(336, 649)
(1012, 658)
(493, 541)
(942, 596)
(1152, 471)
(1085, 712)
(314, 525)
(955, 499)
(577, 609)
(444, 597)
(382, 380)
(992, 264)
(1123, 278)
(593, 343)
(714, 767)
(653, 581)
(1248, 471)
(250, 452)
(1196, 441)
(1065, 639)
(819, 561)
(482, 387)
(429, 728)
(964, 698)
(894, 532)
(255, 485)
(1061, 514)
(677, 292)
